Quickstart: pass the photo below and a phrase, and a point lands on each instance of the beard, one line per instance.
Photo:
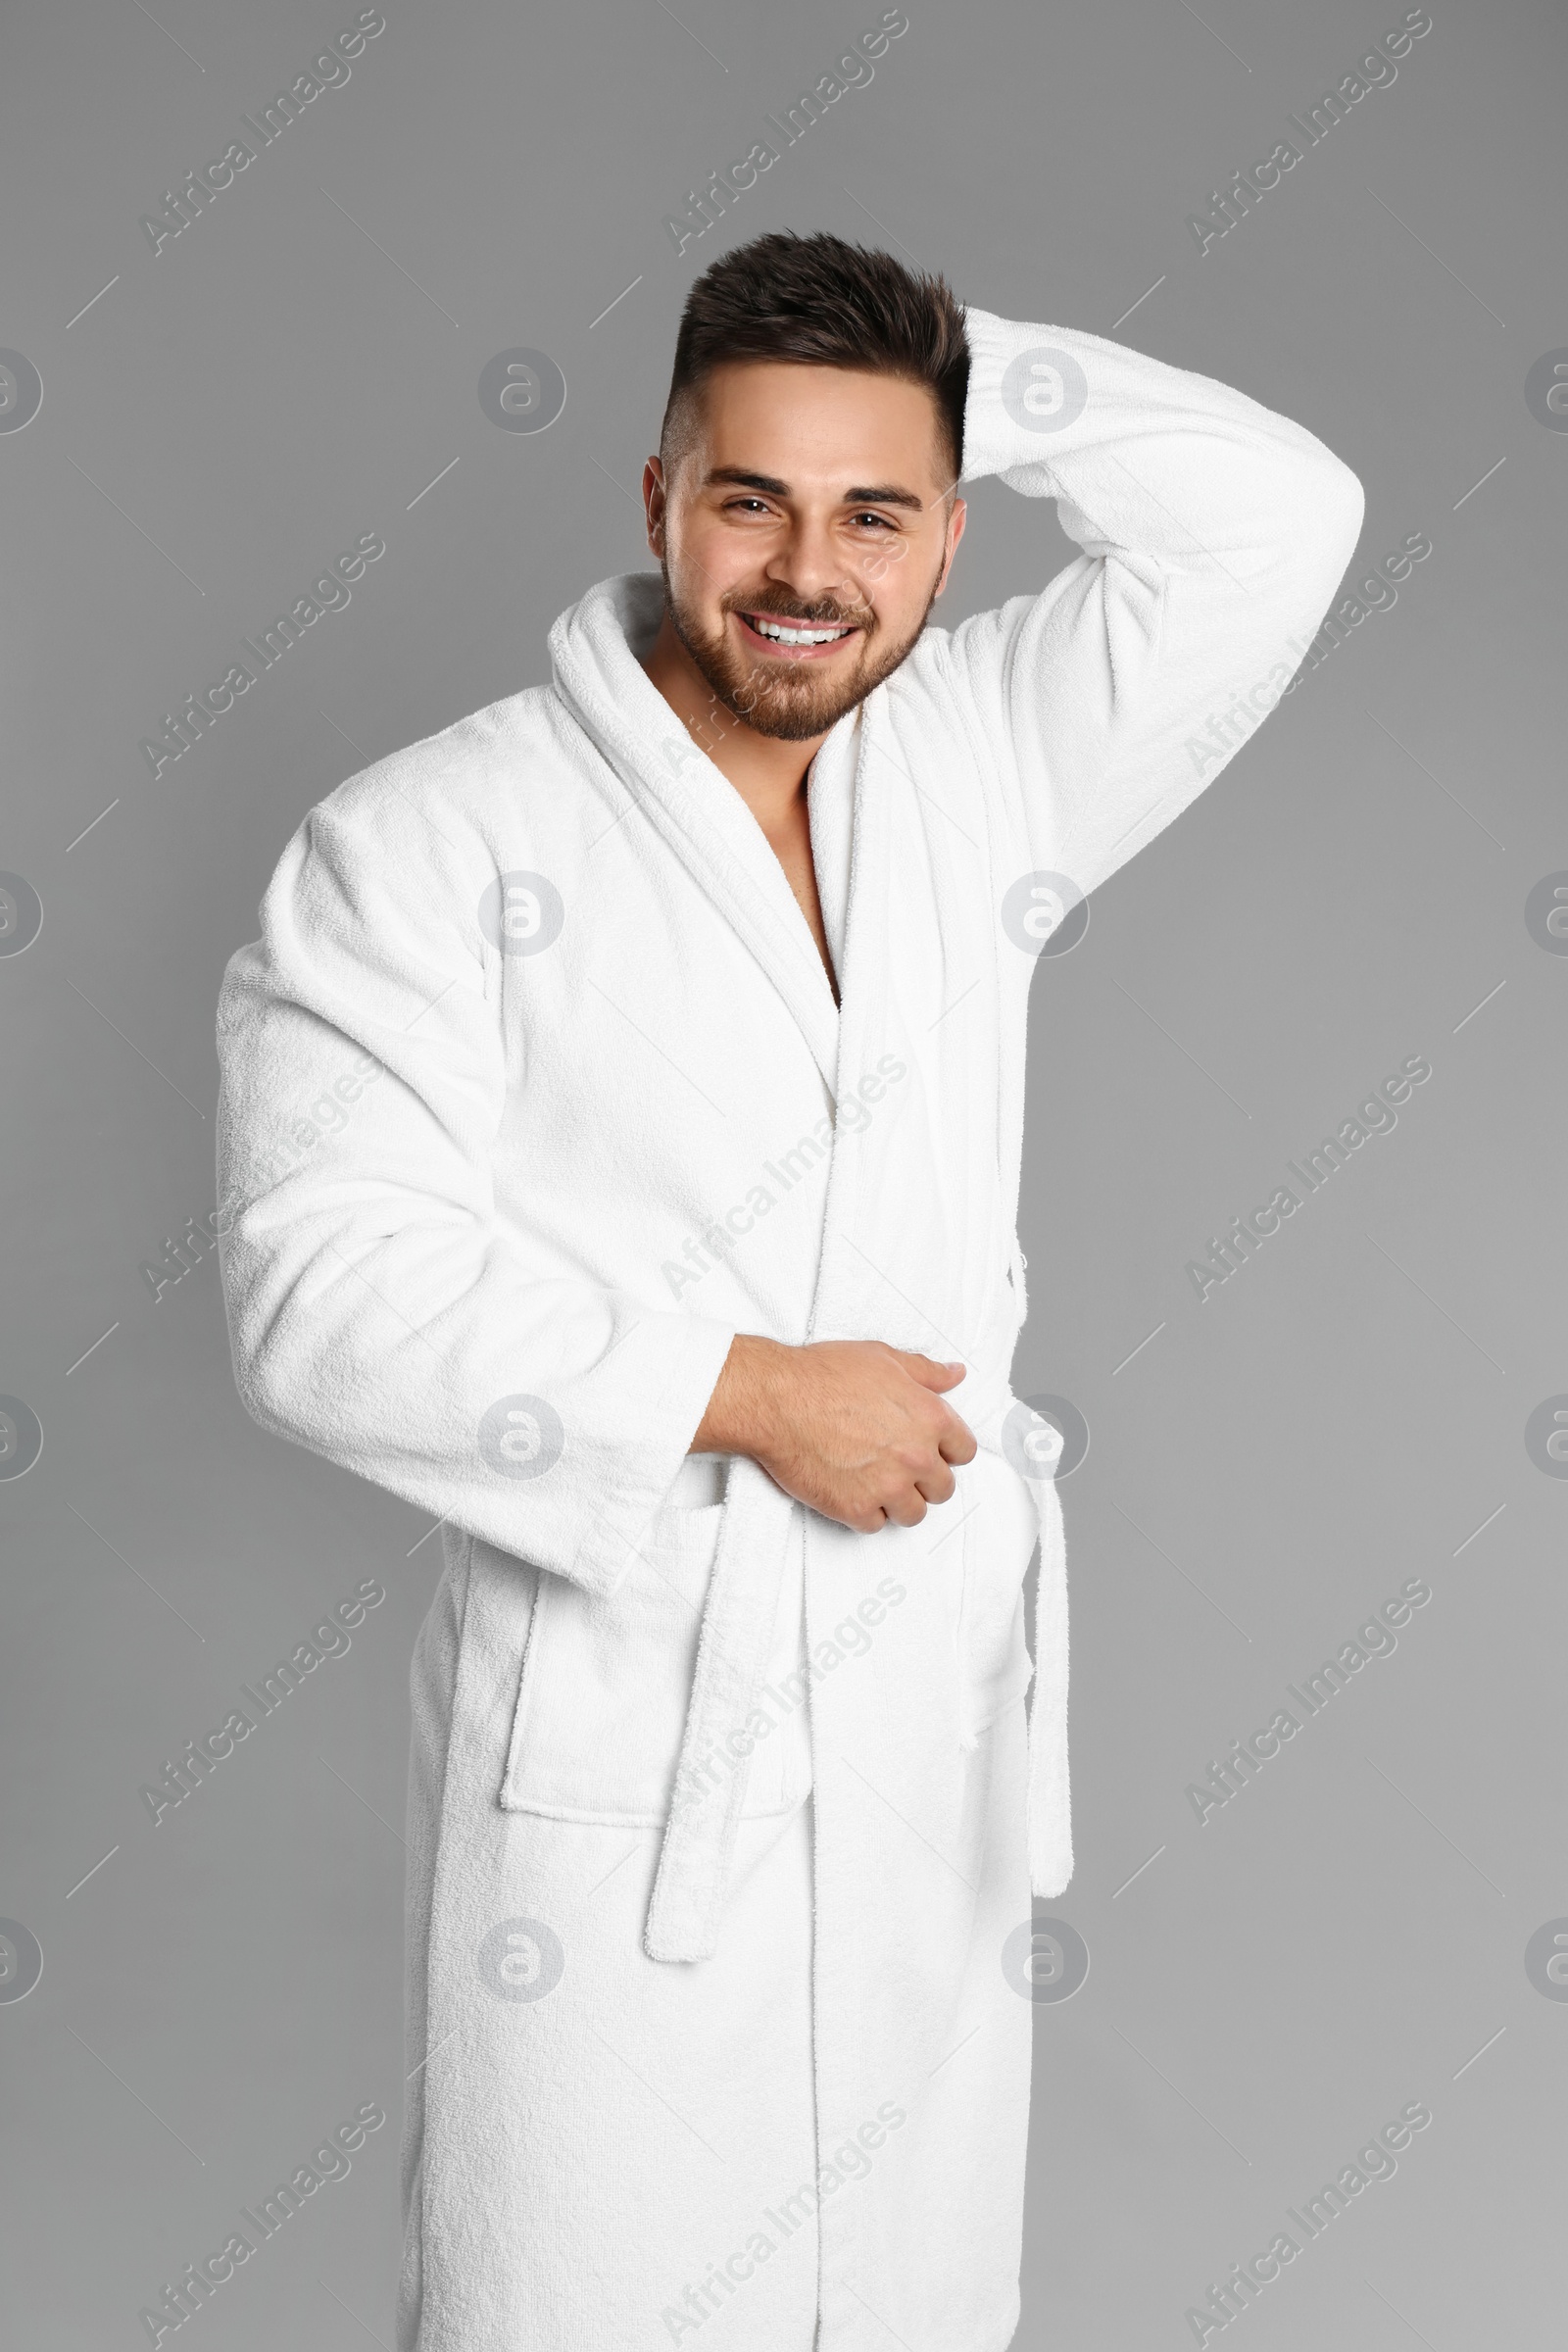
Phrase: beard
(791, 701)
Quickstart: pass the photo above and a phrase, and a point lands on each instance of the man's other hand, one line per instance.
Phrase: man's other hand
(857, 1430)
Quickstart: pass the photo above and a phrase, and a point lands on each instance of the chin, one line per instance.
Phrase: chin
(791, 710)
(797, 723)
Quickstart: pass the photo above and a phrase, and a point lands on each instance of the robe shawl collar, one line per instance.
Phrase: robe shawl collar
(694, 806)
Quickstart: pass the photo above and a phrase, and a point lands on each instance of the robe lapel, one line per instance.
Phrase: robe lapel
(695, 810)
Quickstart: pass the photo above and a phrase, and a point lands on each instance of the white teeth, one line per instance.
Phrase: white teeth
(772, 628)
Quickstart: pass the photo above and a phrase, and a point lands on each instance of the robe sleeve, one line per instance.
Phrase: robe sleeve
(381, 1312)
(1213, 535)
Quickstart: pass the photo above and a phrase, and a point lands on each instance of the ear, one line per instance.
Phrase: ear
(654, 505)
(956, 522)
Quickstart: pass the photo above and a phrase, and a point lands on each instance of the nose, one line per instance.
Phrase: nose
(809, 566)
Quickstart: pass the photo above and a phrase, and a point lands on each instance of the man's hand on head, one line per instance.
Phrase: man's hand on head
(857, 1430)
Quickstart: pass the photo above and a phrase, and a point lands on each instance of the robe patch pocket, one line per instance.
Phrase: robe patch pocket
(603, 1686)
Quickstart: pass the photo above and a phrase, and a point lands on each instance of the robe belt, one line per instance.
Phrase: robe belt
(739, 1617)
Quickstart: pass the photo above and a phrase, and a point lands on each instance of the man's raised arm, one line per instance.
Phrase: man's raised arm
(1213, 533)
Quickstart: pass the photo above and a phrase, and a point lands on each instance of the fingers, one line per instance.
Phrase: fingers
(938, 1484)
(957, 1443)
(929, 1372)
(907, 1507)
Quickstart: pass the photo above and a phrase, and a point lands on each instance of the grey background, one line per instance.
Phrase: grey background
(1342, 1415)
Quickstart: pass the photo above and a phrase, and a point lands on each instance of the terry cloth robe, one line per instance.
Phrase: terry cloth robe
(723, 1823)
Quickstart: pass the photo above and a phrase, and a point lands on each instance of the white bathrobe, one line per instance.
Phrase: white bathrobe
(534, 1092)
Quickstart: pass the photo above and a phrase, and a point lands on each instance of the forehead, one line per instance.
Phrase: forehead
(819, 428)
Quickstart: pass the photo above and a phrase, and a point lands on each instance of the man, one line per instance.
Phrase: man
(659, 1238)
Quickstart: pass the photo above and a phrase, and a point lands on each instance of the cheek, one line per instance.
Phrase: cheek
(884, 560)
(900, 587)
(711, 566)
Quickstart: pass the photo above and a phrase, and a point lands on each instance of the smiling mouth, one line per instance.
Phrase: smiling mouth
(799, 639)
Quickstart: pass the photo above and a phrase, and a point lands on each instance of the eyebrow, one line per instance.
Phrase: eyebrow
(887, 495)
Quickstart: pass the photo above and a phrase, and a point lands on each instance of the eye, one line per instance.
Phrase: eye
(761, 504)
(866, 516)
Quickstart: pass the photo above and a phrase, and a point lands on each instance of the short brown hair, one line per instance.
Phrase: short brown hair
(823, 303)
